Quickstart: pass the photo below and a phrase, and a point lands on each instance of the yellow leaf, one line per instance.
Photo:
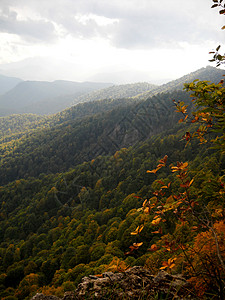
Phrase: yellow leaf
(146, 210)
(185, 165)
(137, 230)
(191, 182)
(156, 221)
(174, 169)
(164, 187)
(137, 244)
(144, 202)
(134, 233)
(172, 266)
(152, 171)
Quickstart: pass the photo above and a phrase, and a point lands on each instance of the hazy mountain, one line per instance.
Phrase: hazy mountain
(125, 76)
(8, 83)
(41, 97)
(208, 73)
(44, 97)
(44, 68)
(50, 69)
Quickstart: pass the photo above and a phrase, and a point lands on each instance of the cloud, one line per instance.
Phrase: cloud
(156, 24)
(28, 29)
(128, 23)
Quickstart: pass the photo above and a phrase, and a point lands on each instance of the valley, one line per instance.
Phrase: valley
(124, 176)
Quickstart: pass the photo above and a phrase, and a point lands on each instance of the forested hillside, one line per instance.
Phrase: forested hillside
(209, 73)
(110, 184)
(63, 146)
(117, 92)
(55, 229)
(87, 130)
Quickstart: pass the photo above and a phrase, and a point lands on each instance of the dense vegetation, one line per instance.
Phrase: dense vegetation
(59, 147)
(118, 205)
(117, 92)
(31, 145)
(56, 229)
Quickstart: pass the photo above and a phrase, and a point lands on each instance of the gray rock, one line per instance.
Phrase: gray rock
(43, 297)
(133, 284)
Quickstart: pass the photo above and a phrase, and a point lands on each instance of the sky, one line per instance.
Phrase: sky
(118, 41)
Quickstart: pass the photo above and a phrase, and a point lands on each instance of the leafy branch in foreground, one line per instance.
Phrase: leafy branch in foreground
(209, 99)
(217, 57)
(220, 4)
(200, 253)
(186, 208)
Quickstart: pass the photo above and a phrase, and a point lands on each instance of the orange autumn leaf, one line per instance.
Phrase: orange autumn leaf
(147, 210)
(137, 230)
(168, 264)
(156, 221)
(162, 163)
(158, 231)
(144, 202)
(153, 247)
(190, 183)
(99, 275)
(153, 171)
(137, 245)
(161, 182)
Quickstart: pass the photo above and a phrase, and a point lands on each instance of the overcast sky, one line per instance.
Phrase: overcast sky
(127, 40)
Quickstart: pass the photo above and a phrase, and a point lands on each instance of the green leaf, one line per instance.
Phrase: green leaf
(222, 11)
(214, 5)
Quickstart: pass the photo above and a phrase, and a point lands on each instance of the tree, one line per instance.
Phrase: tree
(201, 250)
(209, 100)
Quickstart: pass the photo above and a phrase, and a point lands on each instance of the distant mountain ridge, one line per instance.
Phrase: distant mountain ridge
(8, 83)
(41, 97)
(117, 92)
(208, 73)
(44, 97)
(144, 90)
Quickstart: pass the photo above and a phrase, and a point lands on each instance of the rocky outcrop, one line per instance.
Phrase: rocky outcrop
(40, 296)
(135, 283)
